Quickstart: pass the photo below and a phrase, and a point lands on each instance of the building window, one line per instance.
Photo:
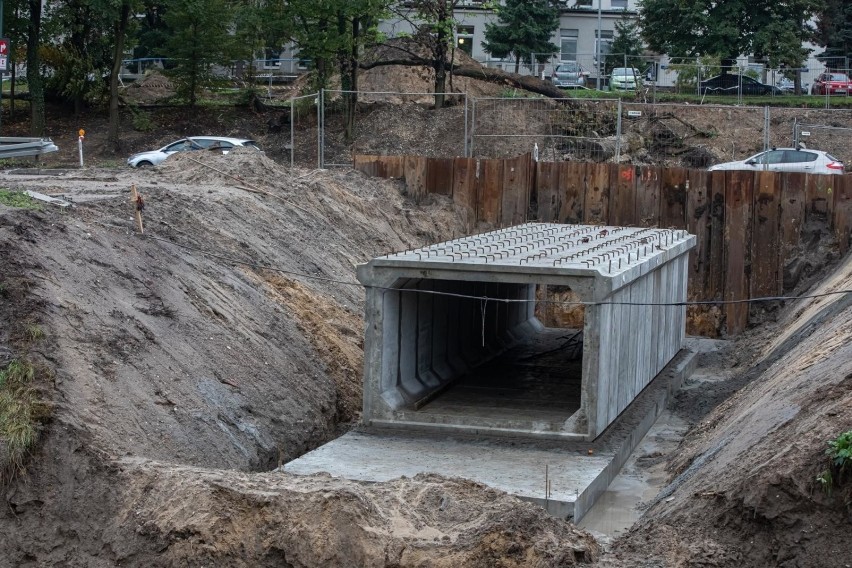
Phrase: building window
(464, 39)
(568, 45)
(618, 4)
(583, 3)
(272, 58)
(605, 42)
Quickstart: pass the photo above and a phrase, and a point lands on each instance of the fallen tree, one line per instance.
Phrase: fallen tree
(407, 52)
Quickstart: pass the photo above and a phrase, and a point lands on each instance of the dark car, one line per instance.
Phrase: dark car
(729, 84)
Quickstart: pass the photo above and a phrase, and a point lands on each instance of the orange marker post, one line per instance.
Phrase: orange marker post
(81, 134)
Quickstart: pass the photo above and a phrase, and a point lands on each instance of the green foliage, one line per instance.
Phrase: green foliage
(774, 30)
(199, 40)
(523, 30)
(690, 72)
(142, 121)
(22, 413)
(18, 199)
(34, 332)
(839, 454)
(840, 451)
(627, 46)
(834, 28)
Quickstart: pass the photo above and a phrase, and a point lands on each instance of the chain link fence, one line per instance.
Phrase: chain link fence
(558, 128)
(599, 130)
(390, 123)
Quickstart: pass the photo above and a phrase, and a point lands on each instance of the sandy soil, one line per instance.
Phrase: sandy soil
(185, 363)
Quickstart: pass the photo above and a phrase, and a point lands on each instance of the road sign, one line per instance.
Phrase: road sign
(4, 54)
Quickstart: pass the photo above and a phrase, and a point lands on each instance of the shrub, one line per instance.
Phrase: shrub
(22, 413)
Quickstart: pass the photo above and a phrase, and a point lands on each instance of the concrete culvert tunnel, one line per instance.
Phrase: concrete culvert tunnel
(453, 342)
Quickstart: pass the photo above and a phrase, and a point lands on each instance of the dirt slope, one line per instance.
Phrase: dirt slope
(744, 490)
(173, 370)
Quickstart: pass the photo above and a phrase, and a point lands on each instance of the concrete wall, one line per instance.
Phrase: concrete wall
(625, 347)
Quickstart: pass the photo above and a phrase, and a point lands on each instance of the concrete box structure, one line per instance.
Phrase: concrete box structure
(436, 314)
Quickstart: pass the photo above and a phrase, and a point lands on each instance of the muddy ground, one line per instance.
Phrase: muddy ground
(184, 365)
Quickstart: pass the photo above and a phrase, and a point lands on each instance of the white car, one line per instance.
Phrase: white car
(787, 160)
(212, 143)
(624, 78)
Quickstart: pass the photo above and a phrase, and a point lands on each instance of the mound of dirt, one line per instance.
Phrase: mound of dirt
(229, 336)
(208, 517)
(153, 88)
(744, 489)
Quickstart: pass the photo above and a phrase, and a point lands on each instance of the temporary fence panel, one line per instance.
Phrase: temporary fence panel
(577, 128)
(304, 129)
(408, 123)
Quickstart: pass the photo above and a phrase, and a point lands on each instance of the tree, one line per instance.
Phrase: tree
(34, 78)
(199, 40)
(523, 30)
(834, 31)
(729, 28)
(120, 26)
(336, 32)
(434, 24)
(627, 46)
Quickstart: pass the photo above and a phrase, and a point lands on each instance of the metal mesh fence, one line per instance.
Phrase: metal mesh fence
(835, 140)
(690, 136)
(304, 130)
(390, 123)
(559, 128)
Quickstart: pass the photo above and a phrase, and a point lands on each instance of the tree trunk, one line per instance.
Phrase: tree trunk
(120, 28)
(34, 79)
(353, 80)
(517, 64)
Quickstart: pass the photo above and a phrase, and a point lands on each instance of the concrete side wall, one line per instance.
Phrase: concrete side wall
(417, 343)
(626, 346)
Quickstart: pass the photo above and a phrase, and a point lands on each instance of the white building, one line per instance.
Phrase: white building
(577, 36)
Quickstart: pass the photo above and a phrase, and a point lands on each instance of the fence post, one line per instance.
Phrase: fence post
(472, 126)
(796, 132)
(765, 128)
(292, 119)
(618, 134)
(321, 129)
(465, 125)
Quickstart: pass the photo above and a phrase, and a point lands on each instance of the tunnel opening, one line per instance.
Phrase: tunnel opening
(477, 354)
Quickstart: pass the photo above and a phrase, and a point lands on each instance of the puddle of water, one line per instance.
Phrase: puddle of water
(641, 478)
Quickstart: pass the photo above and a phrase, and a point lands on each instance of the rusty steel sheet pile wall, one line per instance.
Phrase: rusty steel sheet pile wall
(749, 224)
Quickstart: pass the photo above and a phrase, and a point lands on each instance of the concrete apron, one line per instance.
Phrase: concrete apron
(566, 478)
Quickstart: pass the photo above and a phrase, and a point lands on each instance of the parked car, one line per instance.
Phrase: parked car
(624, 78)
(786, 85)
(787, 160)
(212, 143)
(730, 84)
(569, 76)
(832, 84)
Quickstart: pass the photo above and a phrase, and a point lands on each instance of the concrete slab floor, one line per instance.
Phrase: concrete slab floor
(538, 382)
(519, 467)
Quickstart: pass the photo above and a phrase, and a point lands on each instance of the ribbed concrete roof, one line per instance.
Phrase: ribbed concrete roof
(592, 249)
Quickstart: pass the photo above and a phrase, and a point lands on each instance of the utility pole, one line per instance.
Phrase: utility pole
(597, 45)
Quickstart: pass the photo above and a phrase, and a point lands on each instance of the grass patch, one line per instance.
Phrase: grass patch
(22, 413)
(18, 199)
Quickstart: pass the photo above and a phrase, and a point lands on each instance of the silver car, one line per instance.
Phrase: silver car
(212, 143)
(787, 160)
(569, 76)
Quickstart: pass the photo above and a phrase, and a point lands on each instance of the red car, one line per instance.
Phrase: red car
(832, 84)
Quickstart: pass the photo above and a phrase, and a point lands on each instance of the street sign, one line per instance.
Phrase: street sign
(4, 54)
